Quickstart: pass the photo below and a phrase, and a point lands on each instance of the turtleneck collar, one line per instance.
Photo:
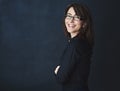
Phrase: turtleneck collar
(74, 38)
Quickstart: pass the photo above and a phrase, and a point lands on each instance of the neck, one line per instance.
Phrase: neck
(74, 34)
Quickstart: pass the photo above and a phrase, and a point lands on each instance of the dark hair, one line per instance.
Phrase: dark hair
(82, 11)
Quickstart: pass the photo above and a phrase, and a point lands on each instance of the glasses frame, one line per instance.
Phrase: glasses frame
(75, 17)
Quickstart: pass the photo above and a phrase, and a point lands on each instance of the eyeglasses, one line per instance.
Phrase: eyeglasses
(76, 18)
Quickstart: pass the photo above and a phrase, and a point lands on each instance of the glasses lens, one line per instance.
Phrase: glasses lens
(76, 18)
(68, 16)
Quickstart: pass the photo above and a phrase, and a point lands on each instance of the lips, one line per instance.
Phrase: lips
(71, 25)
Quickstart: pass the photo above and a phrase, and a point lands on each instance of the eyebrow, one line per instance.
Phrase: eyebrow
(69, 14)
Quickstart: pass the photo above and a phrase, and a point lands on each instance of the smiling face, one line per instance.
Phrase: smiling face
(73, 22)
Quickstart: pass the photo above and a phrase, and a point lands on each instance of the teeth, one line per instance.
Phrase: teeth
(71, 25)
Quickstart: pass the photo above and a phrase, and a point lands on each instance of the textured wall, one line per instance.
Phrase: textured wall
(32, 39)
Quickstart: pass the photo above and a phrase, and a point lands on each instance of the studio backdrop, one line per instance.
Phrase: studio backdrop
(32, 40)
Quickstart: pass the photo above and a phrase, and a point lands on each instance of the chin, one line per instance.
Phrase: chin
(72, 31)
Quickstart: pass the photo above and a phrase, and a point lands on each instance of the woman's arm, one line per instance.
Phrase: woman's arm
(64, 70)
(70, 59)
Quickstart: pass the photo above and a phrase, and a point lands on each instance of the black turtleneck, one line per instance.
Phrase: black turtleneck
(74, 65)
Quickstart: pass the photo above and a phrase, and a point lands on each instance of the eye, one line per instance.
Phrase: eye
(82, 18)
(68, 16)
(77, 17)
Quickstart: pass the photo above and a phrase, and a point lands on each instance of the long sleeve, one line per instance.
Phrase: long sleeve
(73, 54)
(66, 65)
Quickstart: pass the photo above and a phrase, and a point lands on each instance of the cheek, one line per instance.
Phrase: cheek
(66, 22)
(79, 25)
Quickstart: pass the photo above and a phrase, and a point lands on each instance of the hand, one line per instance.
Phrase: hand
(56, 69)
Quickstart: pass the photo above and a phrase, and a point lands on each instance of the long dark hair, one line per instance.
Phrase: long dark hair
(82, 11)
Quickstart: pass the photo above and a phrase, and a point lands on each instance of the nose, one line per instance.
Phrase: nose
(72, 19)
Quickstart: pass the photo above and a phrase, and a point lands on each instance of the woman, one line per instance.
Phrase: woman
(73, 70)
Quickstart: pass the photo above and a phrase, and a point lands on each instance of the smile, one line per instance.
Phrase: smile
(71, 25)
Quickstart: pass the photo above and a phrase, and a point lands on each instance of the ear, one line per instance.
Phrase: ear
(84, 24)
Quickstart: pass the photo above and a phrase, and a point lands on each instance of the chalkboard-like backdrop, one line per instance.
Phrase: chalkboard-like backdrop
(32, 39)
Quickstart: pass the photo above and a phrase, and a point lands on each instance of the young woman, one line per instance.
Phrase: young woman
(73, 70)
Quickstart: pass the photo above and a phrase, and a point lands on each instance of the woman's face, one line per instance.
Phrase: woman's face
(73, 22)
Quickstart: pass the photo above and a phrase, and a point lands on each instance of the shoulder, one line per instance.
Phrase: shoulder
(81, 45)
(79, 42)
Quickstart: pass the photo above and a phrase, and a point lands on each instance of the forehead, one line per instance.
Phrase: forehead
(71, 11)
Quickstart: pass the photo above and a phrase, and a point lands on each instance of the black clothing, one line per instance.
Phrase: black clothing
(75, 65)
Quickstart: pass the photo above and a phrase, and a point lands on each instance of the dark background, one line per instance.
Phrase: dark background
(32, 39)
